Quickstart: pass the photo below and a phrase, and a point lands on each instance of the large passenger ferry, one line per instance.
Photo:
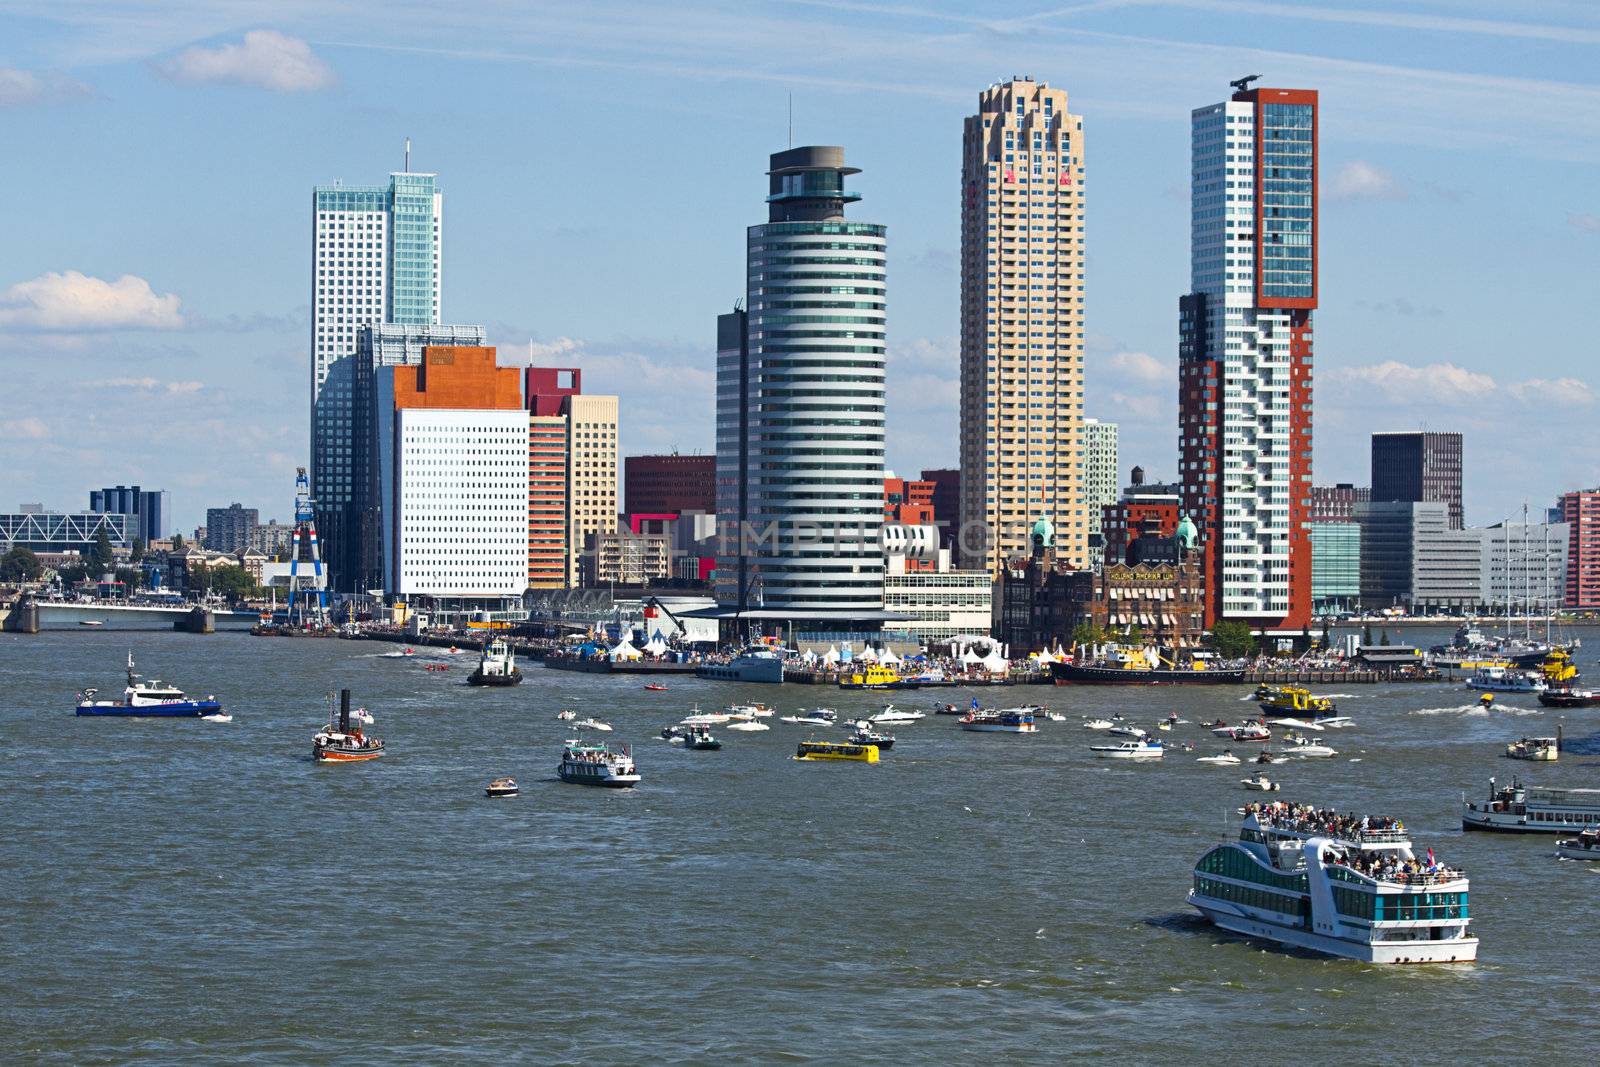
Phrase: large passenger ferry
(1524, 809)
(1334, 884)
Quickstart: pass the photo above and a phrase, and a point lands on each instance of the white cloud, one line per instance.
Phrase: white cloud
(1142, 368)
(1447, 385)
(149, 385)
(24, 429)
(1584, 221)
(20, 87)
(1360, 180)
(72, 302)
(267, 59)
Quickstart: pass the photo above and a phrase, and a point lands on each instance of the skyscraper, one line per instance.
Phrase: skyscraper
(1100, 479)
(1022, 260)
(1244, 352)
(1420, 467)
(375, 259)
(800, 405)
(151, 509)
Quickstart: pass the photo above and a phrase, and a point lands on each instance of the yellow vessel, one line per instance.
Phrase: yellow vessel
(1558, 668)
(874, 677)
(1293, 699)
(812, 750)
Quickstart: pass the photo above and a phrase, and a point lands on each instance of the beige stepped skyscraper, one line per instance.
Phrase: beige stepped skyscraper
(1022, 256)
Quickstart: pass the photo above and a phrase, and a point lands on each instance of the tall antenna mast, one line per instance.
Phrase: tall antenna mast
(408, 155)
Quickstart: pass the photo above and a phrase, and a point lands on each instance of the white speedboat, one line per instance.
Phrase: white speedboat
(592, 724)
(892, 714)
(816, 717)
(220, 716)
(362, 716)
(1260, 783)
(404, 653)
(1245, 731)
(1135, 750)
(1055, 716)
(566, 716)
(1097, 724)
(749, 711)
(696, 717)
(1127, 731)
(1225, 759)
(748, 725)
(1296, 724)
(1305, 748)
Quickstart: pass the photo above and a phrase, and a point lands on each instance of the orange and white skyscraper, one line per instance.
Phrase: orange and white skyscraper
(1022, 293)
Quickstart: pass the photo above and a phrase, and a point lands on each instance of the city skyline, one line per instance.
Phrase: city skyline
(193, 309)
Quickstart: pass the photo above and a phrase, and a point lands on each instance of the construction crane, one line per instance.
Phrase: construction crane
(301, 588)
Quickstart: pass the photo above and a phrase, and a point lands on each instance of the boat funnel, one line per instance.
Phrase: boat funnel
(344, 711)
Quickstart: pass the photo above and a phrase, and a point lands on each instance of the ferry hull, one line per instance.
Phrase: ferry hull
(1072, 674)
(626, 781)
(1453, 950)
(1000, 728)
(187, 709)
(1515, 824)
(494, 680)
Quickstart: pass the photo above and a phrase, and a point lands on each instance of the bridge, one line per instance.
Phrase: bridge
(72, 615)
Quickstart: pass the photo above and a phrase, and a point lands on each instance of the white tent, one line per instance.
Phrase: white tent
(809, 656)
(969, 657)
(656, 647)
(995, 663)
(1043, 658)
(889, 659)
(624, 650)
(831, 656)
(868, 655)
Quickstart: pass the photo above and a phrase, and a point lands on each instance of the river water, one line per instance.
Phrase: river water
(185, 891)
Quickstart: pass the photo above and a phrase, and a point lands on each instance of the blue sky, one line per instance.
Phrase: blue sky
(601, 160)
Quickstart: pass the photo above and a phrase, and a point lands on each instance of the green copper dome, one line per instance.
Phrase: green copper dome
(1044, 532)
(1187, 532)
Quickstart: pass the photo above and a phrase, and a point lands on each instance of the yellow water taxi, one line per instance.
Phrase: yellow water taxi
(845, 750)
(1291, 698)
(874, 677)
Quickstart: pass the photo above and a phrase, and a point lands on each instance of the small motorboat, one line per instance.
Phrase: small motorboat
(749, 711)
(1163, 725)
(1245, 731)
(362, 716)
(1543, 749)
(864, 734)
(90, 622)
(815, 717)
(566, 716)
(501, 787)
(1306, 748)
(674, 734)
(892, 714)
(656, 687)
(1055, 716)
(403, 653)
(453, 651)
(696, 717)
(748, 725)
(1260, 783)
(699, 737)
(1214, 724)
(592, 724)
(1269, 756)
(220, 716)
(1128, 731)
(948, 709)
(1295, 724)
(1173, 720)
(1225, 759)
(1486, 699)
(1134, 750)
(1097, 724)
(436, 668)
(1586, 846)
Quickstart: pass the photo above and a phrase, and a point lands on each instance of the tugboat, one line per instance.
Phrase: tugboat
(148, 699)
(497, 665)
(501, 787)
(594, 764)
(339, 742)
(699, 737)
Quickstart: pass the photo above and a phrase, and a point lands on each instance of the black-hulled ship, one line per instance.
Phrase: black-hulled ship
(497, 665)
(1135, 668)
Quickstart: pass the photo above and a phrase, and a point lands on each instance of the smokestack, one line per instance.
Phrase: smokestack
(344, 711)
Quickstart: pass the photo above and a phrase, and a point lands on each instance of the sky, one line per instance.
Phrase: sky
(600, 162)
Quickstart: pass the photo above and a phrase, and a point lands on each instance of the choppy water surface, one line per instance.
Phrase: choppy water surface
(192, 891)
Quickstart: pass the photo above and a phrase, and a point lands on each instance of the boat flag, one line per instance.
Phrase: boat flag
(974, 703)
(1430, 857)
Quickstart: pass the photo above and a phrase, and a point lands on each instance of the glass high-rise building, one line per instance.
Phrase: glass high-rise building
(1422, 466)
(1244, 352)
(1022, 294)
(800, 408)
(375, 259)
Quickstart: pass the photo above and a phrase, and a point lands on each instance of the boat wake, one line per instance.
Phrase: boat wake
(1476, 711)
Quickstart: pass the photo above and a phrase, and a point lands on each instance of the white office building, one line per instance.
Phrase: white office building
(456, 494)
(1100, 479)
